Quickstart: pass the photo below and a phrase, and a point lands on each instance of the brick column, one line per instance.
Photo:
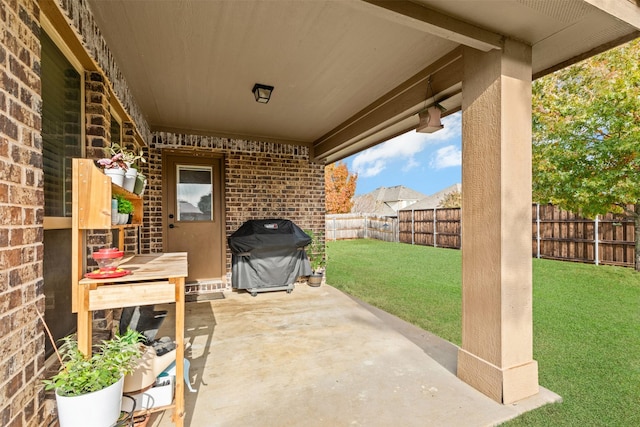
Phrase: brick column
(21, 217)
(98, 140)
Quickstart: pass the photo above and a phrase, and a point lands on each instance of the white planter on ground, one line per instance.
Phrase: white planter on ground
(98, 409)
(116, 175)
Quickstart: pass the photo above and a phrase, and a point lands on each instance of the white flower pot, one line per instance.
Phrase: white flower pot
(116, 175)
(130, 179)
(98, 409)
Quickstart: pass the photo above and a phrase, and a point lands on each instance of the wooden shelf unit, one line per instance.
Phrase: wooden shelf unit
(154, 279)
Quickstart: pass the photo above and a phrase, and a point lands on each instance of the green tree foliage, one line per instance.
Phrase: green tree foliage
(451, 200)
(586, 136)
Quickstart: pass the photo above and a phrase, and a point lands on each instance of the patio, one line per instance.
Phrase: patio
(317, 357)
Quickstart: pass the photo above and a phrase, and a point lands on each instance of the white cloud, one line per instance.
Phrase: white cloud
(370, 169)
(404, 148)
(446, 157)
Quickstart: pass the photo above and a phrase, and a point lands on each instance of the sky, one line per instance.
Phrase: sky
(423, 162)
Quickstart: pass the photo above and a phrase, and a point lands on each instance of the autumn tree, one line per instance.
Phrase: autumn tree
(451, 200)
(586, 136)
(339, 188)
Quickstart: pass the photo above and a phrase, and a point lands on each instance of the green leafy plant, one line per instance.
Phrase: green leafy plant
(316, 252)
(111, 360)
(124, 206)
(128, 156)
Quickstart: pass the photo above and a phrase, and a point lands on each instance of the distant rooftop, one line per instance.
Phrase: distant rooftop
(433, 201)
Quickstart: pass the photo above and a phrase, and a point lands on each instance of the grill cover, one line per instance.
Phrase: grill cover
(268, 253)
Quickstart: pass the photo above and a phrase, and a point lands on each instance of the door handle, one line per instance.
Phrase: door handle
(172, 226)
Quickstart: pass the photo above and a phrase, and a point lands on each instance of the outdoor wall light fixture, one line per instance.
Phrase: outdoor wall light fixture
(430, 120)
(262, 93)
(430, 117)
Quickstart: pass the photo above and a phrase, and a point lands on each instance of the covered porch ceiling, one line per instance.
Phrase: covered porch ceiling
(348, 74)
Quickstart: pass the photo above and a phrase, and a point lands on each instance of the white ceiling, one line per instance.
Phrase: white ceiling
(191, 64)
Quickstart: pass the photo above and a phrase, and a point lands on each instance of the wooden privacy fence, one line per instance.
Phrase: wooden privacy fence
(563, 235)
(557, 234)
(361, 226)
(431, 227)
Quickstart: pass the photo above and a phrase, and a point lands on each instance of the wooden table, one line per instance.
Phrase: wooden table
(154, 279)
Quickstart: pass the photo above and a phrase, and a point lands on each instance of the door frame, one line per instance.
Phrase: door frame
(188, 156)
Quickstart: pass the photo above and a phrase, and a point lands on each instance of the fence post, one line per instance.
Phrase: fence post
(413, 242)
(435, 224)
(538, 229)
(595, 230)
(365, 227)
(334, 229)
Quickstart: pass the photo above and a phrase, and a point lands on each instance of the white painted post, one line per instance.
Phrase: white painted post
(597, 255)
(335, 237)
(413, 241)
(435, 223)
(538, 228)
(365, 227)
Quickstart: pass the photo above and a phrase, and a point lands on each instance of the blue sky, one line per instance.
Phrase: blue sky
(423, 162)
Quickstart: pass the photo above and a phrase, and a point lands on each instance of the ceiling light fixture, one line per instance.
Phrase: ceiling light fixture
(262, 92)
(430, 117)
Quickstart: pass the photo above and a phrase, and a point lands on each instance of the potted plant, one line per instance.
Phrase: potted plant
(130, 158)
(141, 183)
(89, 389)
(317, 258)
(125, 208)
(114, 167)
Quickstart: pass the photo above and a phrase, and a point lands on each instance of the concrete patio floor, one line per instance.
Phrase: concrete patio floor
(317, 357)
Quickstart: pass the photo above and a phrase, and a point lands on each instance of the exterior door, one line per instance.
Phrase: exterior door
(193, 215)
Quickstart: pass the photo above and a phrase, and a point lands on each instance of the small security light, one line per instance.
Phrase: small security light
(262, 92)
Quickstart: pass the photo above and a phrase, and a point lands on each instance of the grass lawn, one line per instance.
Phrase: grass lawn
(586, 321)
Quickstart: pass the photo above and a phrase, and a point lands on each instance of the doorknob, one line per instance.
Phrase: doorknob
(172, 226)
(171, 216)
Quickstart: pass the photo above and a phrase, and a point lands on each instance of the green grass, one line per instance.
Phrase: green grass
(586, 321)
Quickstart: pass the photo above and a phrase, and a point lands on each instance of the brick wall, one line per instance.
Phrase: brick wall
(262, 180)
(21, 216)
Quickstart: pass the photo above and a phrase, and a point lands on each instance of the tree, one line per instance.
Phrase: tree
(339, 188)
(586, 136)
(451, 200)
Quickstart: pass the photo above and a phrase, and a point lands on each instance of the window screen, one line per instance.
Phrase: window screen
(61, 127)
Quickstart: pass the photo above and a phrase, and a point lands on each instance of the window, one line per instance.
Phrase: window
(194, 193)
(116, 129)
(61, 126)
(62, 139)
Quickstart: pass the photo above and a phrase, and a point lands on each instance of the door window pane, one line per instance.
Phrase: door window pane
(61, 127)
(194, 191)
